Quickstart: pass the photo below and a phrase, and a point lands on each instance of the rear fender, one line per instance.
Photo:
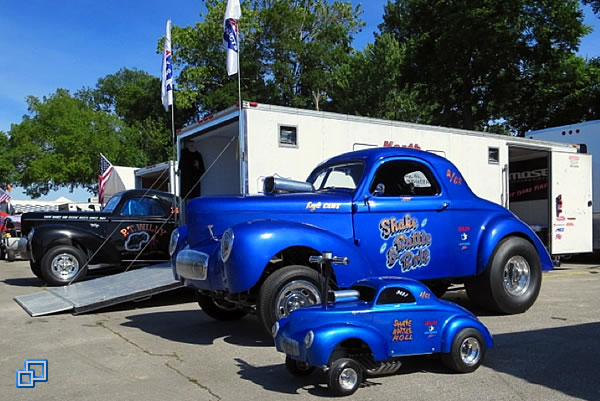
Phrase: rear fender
(501, 227)
(327, 338)
(455, 325)
(48, 236)
(257, 243)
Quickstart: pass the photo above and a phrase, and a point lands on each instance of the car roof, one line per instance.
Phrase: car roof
(373, 154)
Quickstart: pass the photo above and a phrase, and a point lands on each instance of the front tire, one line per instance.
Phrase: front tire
(63, 265)
(286, 290)
(344, 377)
(219, 309)
(467, 353)
(512, 281)
(36, 269)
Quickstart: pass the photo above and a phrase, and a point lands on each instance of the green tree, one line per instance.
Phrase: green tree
(288, 49)
(479, 63)
(379, 92)
(8, 172)
(58, 143)
(133, 95)
(595, 5)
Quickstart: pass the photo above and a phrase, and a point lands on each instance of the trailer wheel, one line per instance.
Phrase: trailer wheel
(36, 269)
(62, 265)
(219, 309)
(286, 290)
(467, 352)
(512, 281)
(344, 377)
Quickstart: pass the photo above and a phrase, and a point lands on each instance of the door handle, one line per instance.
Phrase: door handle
(444, 206)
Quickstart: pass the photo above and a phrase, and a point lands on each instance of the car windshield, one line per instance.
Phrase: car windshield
(112, 203)
(337, 176)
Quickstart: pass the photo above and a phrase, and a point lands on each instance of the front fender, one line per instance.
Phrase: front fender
(328, 337)
(501, 227)
(48, 236)
(257, 242)
(453, 326)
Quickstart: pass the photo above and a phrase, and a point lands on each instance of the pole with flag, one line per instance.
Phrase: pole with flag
(231, 42)
(166, 91)
(106, 169)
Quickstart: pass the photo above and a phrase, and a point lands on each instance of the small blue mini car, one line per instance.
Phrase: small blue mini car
(368, 327)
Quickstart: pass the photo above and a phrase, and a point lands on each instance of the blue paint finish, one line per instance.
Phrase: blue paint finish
(425, 326)
(453, 235)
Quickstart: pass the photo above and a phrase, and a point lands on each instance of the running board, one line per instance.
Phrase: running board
(101, 292)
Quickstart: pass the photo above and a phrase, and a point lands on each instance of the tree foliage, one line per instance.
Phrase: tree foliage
(477, 63)
(289, 50)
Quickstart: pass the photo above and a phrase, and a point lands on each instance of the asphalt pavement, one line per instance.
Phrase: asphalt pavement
(166, 348)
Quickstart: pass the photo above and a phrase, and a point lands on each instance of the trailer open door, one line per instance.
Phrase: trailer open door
(571, 203)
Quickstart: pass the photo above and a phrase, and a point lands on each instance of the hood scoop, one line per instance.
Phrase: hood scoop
(276, 185)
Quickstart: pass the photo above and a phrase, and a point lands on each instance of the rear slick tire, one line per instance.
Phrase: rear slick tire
(512, 281)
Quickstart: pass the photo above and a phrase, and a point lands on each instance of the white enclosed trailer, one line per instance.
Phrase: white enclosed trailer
(586, 135)
(160, 176)
(548, 185)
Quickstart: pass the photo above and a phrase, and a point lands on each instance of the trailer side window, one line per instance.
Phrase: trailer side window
(288, 136)
(493, 155)
(404, 178)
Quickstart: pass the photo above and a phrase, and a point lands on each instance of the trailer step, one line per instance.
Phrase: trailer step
(101, 292)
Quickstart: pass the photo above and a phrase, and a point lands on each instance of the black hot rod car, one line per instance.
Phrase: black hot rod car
(134, 227)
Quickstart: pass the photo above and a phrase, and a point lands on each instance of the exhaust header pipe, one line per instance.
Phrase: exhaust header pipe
(276, 185)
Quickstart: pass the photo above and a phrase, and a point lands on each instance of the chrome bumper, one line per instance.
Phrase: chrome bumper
(192, 265)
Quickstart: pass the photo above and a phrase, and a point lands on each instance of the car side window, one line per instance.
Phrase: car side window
(404, 178)
(142, 207)
(395, 295)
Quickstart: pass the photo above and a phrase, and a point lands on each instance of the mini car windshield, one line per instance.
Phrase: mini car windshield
(112, 203)
(345, 176)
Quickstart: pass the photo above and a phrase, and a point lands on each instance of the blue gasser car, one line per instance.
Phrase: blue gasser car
(370, 326)
(391, 211)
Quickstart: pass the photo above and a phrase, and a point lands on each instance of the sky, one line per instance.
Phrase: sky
(71, 43)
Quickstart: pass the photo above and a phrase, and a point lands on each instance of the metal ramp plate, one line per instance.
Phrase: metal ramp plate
(101, 292)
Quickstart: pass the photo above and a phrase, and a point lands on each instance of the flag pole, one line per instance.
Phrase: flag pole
(242, 142)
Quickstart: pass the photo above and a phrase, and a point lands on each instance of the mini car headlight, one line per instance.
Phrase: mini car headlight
(308, 339)
(173, 241)
(226, 244)
(275, 329)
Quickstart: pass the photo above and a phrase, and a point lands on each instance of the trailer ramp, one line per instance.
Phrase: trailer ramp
(101, 292)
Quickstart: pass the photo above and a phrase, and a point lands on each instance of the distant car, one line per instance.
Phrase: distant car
(134, 227)
(10, 232)
(374, 324)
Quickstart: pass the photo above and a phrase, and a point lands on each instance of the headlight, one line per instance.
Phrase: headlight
(308, 339)
(226, 244)
(275, 329)
(173, 241)
(30, 235)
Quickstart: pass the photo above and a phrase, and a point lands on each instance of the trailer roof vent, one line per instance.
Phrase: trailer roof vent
(288, 136)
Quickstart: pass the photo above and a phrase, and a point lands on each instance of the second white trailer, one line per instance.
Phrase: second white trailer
(547, 184)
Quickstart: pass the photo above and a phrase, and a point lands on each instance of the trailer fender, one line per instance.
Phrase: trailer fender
(501, 227)
(256, 243)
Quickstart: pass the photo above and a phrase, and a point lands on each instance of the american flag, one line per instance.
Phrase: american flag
(106, 169)
(4, 196)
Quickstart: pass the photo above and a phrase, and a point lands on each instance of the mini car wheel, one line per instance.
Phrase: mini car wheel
(298, 368)
(467, 353)
(286, 290)
(512, 281)
(219, 309)
(11, 255)
(62, 265)
(344, 377)
(36, 269)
